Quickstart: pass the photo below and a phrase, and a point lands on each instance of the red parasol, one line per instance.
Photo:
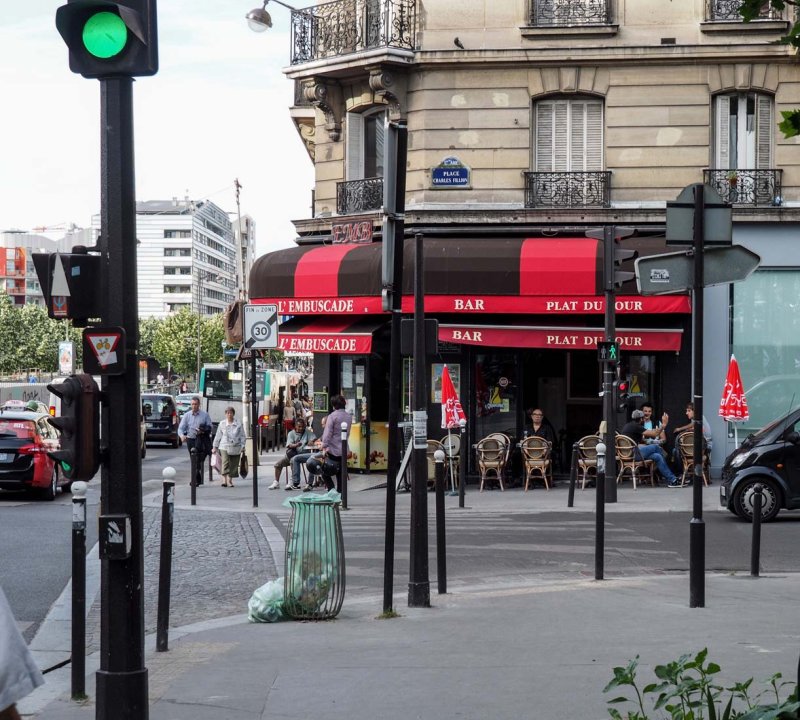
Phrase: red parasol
(733, 406)
(452, 412)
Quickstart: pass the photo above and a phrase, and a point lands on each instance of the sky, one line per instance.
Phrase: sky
(217, 110)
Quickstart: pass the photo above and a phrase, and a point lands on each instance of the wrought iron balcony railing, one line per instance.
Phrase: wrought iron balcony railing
(557, 13)
(567, 189)
(358, 196)
(722, 10)
(756, 188)
(347, 26)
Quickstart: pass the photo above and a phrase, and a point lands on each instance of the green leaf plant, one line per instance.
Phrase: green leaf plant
(686, 689)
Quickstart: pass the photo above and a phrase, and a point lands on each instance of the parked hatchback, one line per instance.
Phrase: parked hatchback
(161, 418)
(25, 439)
(770, 458)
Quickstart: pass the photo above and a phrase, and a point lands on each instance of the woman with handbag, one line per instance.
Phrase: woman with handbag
(229, 442)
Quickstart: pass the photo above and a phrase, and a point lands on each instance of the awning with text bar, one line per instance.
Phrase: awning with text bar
(559, 338)
(328, 335)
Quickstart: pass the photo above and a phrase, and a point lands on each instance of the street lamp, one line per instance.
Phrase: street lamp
(259, 19)
(202, 276)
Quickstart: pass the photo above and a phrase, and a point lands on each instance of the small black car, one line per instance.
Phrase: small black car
(161, 416)
(771, 458)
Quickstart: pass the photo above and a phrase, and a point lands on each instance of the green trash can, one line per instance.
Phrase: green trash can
(315, 573)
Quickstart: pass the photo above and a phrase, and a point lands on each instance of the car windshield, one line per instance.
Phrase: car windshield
(24, 429)
(184, 399)
(155, 406)
(779, 424)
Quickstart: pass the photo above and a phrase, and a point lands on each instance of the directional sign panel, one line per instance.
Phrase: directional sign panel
(674, 272)
(260, 330)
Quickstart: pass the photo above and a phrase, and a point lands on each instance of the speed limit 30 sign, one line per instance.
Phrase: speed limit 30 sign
(260, 330)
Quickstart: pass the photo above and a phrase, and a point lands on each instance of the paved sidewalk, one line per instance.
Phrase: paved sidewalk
(541, 648)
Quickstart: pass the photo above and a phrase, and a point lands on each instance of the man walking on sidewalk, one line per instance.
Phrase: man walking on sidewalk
(195, 431)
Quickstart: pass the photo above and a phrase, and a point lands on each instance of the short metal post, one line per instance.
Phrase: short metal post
(755, 548)
(79, 590)
(462, 463)
(343, 468)
(193, 471)
(600, 512)
(573, 475)
(441, 551)
(165, 559)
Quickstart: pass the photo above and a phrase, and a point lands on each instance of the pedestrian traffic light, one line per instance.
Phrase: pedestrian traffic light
(110, 39)
(607, 352)
(79, 424)
(70, 284)
(621, 394)
(614, 276)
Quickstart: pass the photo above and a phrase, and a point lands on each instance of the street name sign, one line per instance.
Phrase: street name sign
(260, 330)
(674, 272)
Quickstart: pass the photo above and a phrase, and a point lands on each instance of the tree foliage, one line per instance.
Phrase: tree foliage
(175, 341)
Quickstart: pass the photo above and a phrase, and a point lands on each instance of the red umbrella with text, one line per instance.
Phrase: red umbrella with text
(733, 406)
(452, 415)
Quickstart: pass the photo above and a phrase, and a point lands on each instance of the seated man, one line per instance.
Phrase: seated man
(636, 432)
(298, 439)
(328, 462)
(690, 426)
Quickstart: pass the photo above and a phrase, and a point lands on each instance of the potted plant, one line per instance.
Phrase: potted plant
(733, 178)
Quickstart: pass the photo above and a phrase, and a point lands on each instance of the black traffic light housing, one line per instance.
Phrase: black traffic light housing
(621, 394)
(79, 424)
(80, 272)
(614, 276)
(110, 39)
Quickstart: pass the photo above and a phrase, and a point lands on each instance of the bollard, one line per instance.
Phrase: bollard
(441, 552)
(462, 464)
(755, 548)
(79, 590)
(193, 471)
(343, 468)
(165, 559)
(600, 511)
(573, 475)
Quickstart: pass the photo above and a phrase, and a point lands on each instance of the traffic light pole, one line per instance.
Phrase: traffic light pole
(609, 410)
(122, 678)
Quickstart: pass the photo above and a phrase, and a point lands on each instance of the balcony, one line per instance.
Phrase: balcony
(343, 27)
(728, 11)
(567, 189)
(746, 188)
(359, 196)
(560, 13)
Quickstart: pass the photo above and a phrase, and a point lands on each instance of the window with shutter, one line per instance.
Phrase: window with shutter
(569, 136)
(763, 132)
(355, 146)
(743, 128)
(365, 144)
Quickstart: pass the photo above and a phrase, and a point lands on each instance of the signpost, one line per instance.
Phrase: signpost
(260, 327)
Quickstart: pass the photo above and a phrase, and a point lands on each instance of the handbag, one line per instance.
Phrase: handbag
(216, 462)
(291, 452)
(244, 468)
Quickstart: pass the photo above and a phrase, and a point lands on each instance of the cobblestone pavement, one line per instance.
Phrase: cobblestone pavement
(218, 559)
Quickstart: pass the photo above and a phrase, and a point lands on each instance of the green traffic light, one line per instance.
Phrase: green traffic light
(105, 35)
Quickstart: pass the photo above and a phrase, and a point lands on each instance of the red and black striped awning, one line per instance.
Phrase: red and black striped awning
(467, 275)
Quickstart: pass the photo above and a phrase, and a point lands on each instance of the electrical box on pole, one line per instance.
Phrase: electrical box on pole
(110, 39)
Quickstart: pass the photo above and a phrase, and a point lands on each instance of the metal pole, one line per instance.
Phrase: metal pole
(254, 424)
(573, 475)
(600, 512)
(462, 464)
(419, 591)
(121, 682)
(609, 411)
(193, 471)
(165, 559)
(78, 590)
(441, 549)
(697, 528)
(755, 548)
(199, 313)
(393, 227)
(343, 467)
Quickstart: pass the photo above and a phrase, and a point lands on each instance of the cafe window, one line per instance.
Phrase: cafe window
(353, 384)
(496, 394)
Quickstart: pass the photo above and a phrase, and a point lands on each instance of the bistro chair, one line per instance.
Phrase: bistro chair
(492, 456)
(505, 440)
(433, 446)
(536, 457)
(587, 457)
(451, 444)
(628, 462)
(686, 452)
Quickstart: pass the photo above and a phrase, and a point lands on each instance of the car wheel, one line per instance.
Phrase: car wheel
(49, 493)
(176, 442)
(143, 451)
(744, 499)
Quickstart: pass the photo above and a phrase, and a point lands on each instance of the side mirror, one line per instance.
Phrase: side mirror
(793, 437)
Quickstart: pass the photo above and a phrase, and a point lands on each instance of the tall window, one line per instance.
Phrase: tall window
(365, 145)
(743, 123)
(569, 135)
